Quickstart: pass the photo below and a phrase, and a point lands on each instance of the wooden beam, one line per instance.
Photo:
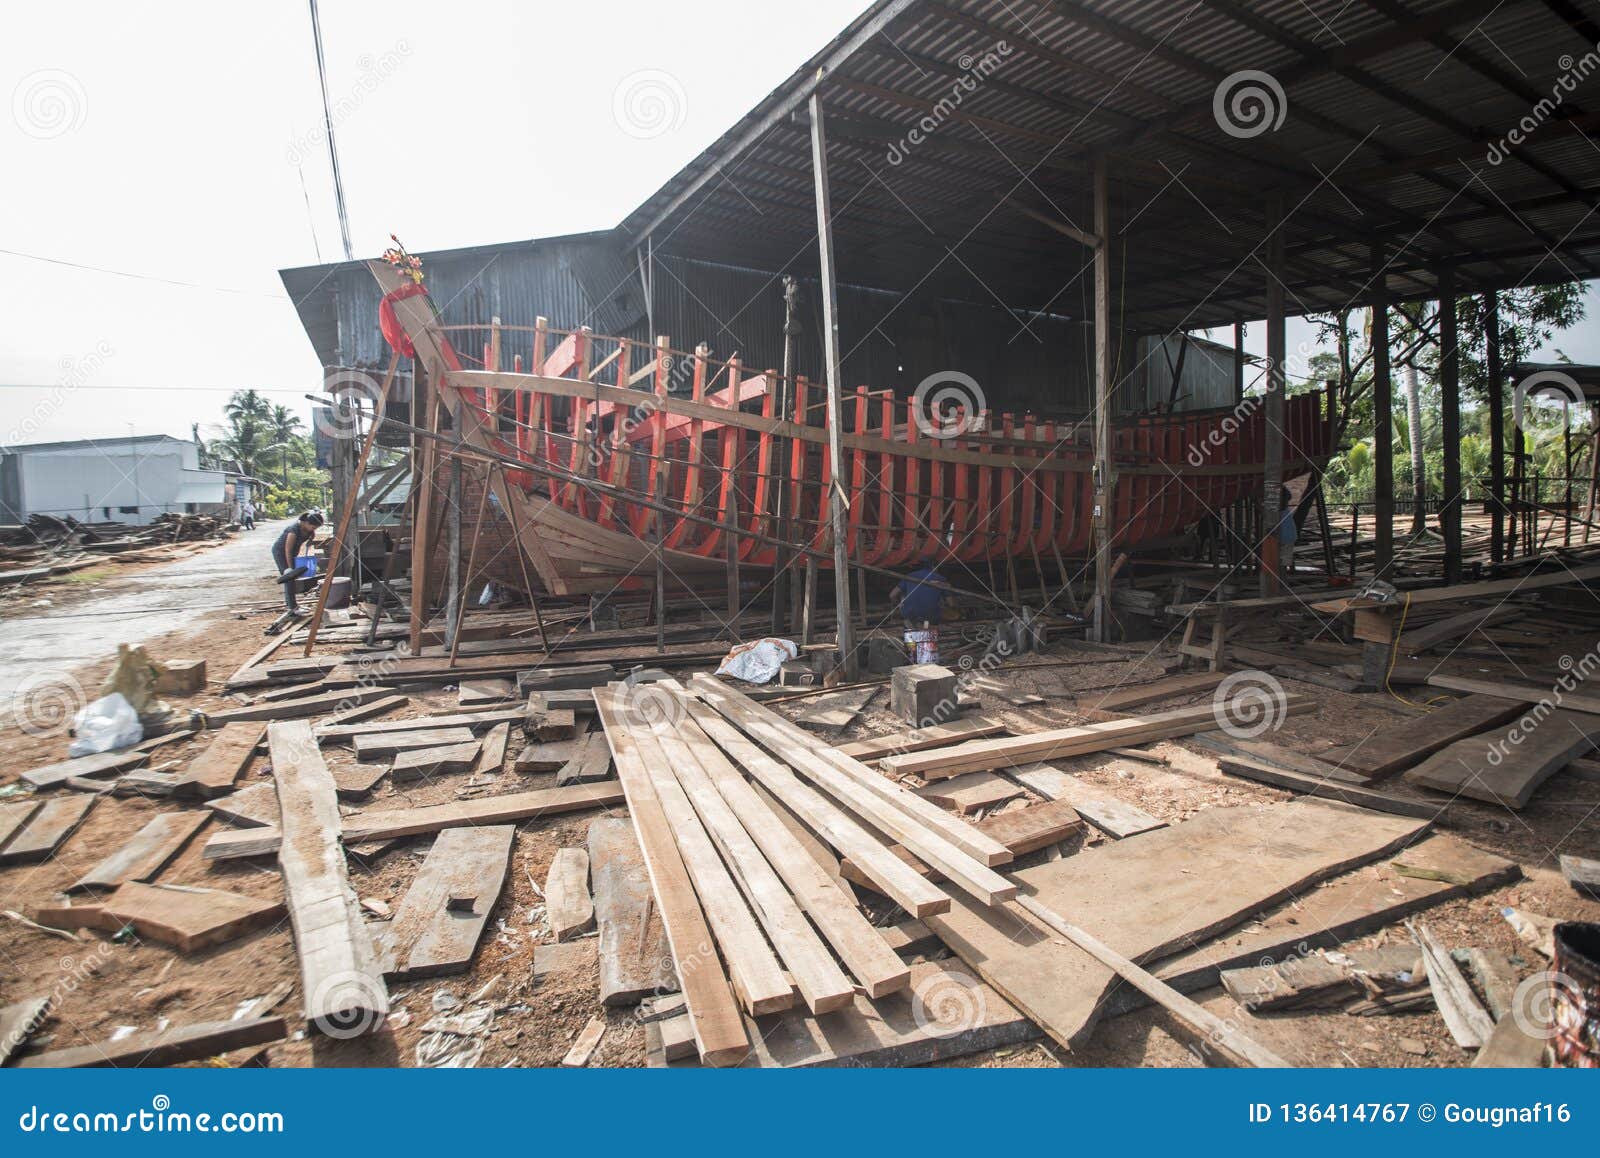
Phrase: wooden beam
(1382, 419)
(1450, 426)
(718, 1029)
(1104, 465)
(1276, 400)
(339, 975)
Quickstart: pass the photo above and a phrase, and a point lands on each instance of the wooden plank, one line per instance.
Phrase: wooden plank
(1022, 830)
(1148, 897)
(1058, 743)
(1106, 812)
(587, 1041)
(822, 984)
(568, 907)
(391, 744)
(635, 959)
(1123, 698)
(1468, 1022)
(428, 763)
(19, 1021)
(1451, 627)
(920, 739)
(339, 976)
(252, 807)
(535, 759)
(1463, 591)
(1279, 757)
(214, 771)
(1570, 701)
(837, 711)
(475, 693)
(50, 826)
(718, 1029)
(435, 930)
(1506, 766)
(492, 759)
(889, 875)
(167, 1047)
(99, 764)
(591, 762)
(1399, 746)
(14, 816)
(356, 782)
(1221, 1035)
(374, 826)
(1264, 773)
(185, 917)
(1515, 1043)
(300, 709)
(956, 849)
(753, 967)
(944, 1012)
(360, 712)
(1582, 873)
(970, 792)
(837, 918)
(329, 733)
(150, 851)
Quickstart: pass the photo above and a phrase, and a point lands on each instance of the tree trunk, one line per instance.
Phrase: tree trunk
(1419, 471)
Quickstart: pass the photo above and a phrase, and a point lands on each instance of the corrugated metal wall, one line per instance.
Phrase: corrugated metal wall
(1021, 362)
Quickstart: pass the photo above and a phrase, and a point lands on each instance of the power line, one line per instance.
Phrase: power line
(151, 386)
(327, 120)
(221, 289)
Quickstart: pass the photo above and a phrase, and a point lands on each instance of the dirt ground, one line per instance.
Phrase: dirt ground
(102, 985)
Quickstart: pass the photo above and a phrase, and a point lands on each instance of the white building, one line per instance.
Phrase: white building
(129, 480)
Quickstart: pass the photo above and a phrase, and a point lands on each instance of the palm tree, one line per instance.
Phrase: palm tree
(246, 405)
(284, 422)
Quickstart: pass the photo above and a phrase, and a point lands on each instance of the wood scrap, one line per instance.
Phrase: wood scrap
(1582, 873)
(1395, 748)
(569, 908)
(214, 771)
(300, 709)
(47, 829)
(428, 763)
(587, 1041)
(981, 755)
(1506, 766)
(1469, 1023)
(388, 745)
(339, 975)
(590, 763)
(20, 1021)
(1570, 701)
(1112, 816)
(160, 1048)
(375, 826)
(837, 711)
(146, 854)
(635, 959)
(183, 916)
(1265, 773)
(1022, 830)
(436, 928)
(1120, 699)
(920, 739)
(330, 733)
(14, 816)
(492, 758)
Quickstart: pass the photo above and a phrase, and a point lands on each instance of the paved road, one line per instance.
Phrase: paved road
(39, 645)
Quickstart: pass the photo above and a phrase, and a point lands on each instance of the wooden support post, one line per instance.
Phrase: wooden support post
(810, 610)
(454, 596)
(472, 565)
(839, 499)
(425, 414)
(1494, 372)
(782, 571)
(1382, 419)
(1276, 400)
(1450, 426)
(1104, 479)
(732, 548)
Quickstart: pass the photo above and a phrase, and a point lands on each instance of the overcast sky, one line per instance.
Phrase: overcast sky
(185, 148)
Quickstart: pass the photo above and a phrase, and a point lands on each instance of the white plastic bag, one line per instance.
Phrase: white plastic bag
(107, 724)
(757, 662)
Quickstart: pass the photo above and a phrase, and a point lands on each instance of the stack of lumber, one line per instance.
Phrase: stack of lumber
(718, 793)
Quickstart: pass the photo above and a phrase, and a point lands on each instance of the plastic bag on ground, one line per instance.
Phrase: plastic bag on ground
(758, 662)
(108, 724)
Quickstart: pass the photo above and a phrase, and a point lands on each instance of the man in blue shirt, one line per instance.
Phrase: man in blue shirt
(921, 595)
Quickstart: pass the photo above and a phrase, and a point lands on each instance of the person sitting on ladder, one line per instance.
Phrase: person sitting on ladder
(295, 538)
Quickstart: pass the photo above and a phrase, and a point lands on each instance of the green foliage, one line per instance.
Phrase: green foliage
(266, 440)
